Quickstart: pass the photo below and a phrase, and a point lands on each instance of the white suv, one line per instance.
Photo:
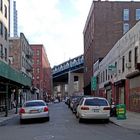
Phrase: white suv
(93, 108)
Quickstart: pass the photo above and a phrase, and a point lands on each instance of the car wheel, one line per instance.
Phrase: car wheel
(80, 120)
(21, 121)
(106, 120)
(48, 119)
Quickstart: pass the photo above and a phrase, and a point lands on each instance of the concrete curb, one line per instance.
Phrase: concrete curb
(5, 120)
(130, 127)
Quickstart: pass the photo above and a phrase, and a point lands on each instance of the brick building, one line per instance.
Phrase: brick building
(20, 58)
(41, 71)
(106, 23)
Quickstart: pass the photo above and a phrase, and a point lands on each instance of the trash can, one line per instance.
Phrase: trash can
(121, 111)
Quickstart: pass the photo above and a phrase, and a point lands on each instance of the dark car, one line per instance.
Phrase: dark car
(73, 99)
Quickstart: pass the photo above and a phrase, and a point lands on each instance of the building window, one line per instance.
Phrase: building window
(125, 27)
(126, 14)
(5, 9)
(106, 74)
(1, 28)
(123, 64)
(38, 70)
(116, 68)
(103, 76)
(38, 52)
(5, 33)
(5, 54)
(137, 14)
(129, 56)
(1, 5)
(136, 55)
(37, 77)
(1, 51)
(37, 61)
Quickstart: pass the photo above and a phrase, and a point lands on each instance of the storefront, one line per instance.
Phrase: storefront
(134, 97)
(120, 91)
(108, 91)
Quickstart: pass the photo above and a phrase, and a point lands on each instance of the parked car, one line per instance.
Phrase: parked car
(76, 103)
(93, 108)
(73, 99)
(67, 100)
(34, 109)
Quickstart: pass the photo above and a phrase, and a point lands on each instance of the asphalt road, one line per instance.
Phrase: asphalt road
(63, 125)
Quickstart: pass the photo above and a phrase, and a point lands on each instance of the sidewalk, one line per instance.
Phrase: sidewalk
(4, 120)
(132, 121)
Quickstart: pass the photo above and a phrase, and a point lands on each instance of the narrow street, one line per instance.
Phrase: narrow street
(63, 125)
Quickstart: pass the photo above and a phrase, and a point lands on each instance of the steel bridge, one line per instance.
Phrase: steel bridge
(60, 72)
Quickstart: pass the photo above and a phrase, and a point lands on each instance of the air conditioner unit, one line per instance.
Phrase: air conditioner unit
(128, 64)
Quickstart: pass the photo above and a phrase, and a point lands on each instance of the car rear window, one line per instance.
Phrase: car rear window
(30, 104)
(96, 102)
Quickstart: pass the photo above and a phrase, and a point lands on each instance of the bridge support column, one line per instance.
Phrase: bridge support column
(75, 83)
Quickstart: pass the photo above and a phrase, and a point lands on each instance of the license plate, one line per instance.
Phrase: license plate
(95, 110)
(34, 111)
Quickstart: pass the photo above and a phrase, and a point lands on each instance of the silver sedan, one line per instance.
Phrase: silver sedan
(34, 109)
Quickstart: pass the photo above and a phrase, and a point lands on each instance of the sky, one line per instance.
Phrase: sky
(57, 24)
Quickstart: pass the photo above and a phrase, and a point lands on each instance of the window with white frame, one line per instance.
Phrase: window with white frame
(137, 14)
(38, 70)
(125, 27)
(126, 14)
(37, 77)
(37, 61)
(37, 52)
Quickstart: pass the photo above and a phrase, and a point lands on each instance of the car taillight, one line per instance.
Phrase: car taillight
(21, 111)
(106, 108)
(46, 109)
(84, 108)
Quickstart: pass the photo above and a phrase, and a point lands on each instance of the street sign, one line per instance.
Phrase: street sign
(94, 83)
(112, 68)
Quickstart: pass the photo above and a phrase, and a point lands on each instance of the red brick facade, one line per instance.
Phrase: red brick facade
(41, 69)
(103, 28)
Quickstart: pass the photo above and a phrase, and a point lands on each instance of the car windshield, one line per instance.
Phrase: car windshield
(96, 102)
(30, 104)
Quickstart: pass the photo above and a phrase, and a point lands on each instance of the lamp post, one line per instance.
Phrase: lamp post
(6, 101)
